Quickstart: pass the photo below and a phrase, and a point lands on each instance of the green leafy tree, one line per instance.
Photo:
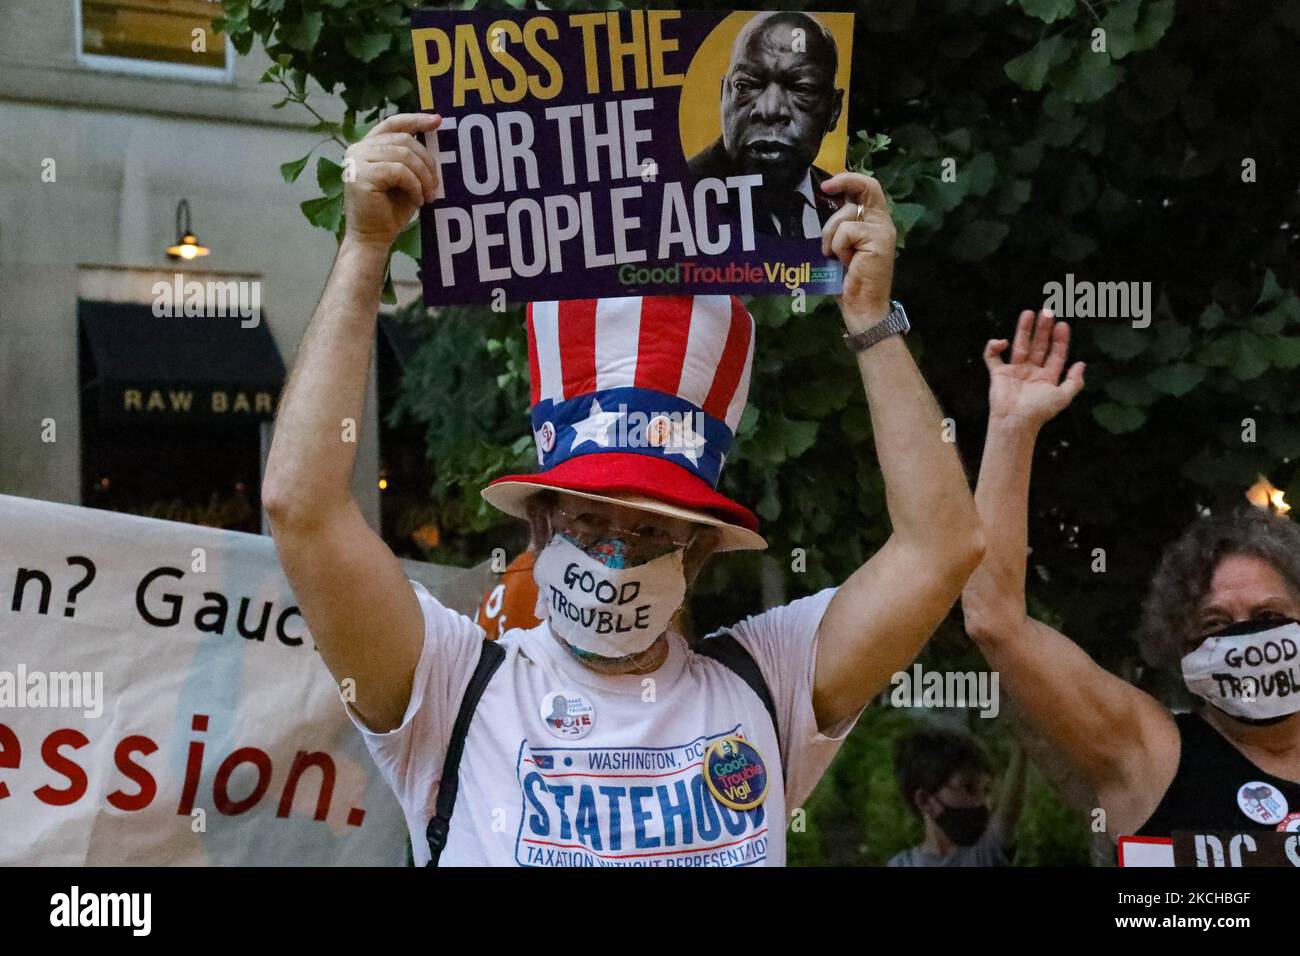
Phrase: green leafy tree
(1116, 140)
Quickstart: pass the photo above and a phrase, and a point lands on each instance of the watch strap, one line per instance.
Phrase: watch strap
(895, 323)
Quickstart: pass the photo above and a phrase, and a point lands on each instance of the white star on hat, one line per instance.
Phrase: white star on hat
(595, 427)
(685, 441)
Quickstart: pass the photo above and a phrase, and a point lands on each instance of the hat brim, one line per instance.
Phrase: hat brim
(639, 481)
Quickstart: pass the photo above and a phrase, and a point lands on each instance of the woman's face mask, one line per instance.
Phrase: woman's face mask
(599, 606)
(1250, 670)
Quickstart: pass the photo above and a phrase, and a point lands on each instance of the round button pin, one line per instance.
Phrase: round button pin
(658, 431)
(1262, 802)
(546, 437)
(735, 773)
(1291, 824)
(567, 714)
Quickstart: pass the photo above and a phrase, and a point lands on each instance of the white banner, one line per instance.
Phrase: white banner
(162, 703)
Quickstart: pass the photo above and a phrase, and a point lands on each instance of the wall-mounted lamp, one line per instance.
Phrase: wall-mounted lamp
(187, 243)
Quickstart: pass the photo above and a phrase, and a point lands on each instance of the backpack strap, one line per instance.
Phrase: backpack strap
(731, 654)
(436, 833)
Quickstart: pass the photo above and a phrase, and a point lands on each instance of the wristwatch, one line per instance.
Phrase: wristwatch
(895, 323)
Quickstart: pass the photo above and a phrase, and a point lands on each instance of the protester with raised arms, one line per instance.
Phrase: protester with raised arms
(600, 736)
(1222, 612)
(944, 777)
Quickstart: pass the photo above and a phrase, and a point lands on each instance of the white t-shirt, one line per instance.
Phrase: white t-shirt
(620, 781)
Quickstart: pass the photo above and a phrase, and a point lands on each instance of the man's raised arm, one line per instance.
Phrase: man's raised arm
(356, 600)
(884, 613)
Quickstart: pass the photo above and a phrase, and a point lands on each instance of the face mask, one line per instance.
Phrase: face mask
(963, 825)
(607, 609)
(1250, 671)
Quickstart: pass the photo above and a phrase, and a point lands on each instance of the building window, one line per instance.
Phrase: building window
(154, 37)
(198, 473)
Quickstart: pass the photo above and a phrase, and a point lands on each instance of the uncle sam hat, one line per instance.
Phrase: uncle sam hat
(638, 396)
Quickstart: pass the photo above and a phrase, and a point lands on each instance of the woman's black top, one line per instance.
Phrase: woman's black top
(1203, 796)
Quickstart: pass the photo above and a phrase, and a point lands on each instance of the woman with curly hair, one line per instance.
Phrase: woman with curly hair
(1222, 612)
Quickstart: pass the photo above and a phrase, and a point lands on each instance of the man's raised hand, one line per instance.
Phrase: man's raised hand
(1028, 389)
(864, 245)
(394, 175)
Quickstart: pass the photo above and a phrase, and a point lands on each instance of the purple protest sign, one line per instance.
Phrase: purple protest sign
(637, 152)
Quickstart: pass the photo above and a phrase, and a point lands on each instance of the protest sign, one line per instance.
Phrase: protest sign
(161, 701)
(630, 152)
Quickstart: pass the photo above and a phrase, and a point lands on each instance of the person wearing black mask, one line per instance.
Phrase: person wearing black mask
(1222, 614)
(944, 777)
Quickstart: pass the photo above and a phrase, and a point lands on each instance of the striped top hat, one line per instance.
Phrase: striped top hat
(636, 401)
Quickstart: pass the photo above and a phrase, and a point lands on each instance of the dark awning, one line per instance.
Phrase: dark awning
(141, 367)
